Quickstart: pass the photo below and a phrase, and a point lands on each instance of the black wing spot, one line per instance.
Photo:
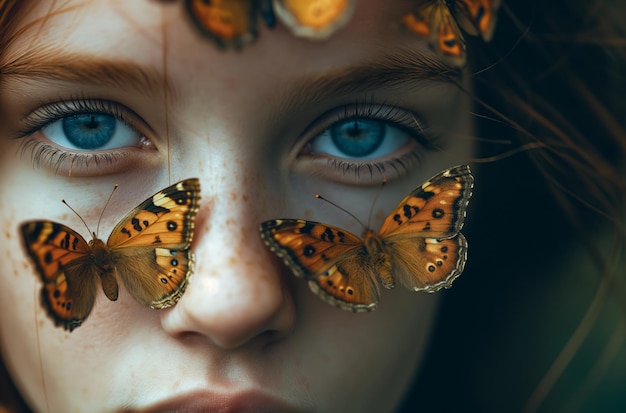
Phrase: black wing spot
(65, 242)
(328, 235)
(438, 213)
(309, 251)
(136, 224)
(171, 226)
(164, 280)
(396, 218)
(306, 228)
(341, 236)
(127, 232)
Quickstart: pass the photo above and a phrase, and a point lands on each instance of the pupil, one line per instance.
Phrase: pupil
(358, 137)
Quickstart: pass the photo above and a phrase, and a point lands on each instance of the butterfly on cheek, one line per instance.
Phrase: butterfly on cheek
(149, 250)
(419, 245)
(438, 21)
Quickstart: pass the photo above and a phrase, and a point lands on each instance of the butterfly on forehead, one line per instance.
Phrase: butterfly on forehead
(419, 245)
(148, 250)
(233, 23)
(438, 21)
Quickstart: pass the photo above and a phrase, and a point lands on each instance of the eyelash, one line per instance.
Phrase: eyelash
(42, 152)
(391, 116)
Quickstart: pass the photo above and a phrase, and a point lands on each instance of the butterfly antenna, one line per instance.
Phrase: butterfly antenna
(77, 214)
(380, 191)
(104, 208)
(318, 196)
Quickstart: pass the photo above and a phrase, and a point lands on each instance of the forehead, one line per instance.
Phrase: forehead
(138, 29)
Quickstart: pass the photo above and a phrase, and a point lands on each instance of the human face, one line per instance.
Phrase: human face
(258, 128)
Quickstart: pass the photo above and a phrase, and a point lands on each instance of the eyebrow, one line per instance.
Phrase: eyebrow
(75, 67)
(387, 71)
(391, 70)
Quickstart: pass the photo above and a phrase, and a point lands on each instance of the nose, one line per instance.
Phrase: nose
(237, 294)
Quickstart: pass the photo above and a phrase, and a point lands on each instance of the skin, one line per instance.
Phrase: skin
(228, 118)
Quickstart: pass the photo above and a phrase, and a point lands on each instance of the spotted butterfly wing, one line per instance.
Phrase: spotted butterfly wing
(61, 257)
(151, 244)
(434, 22)
(148, 250)
(419, 244)
(423, 233)
(327, 256)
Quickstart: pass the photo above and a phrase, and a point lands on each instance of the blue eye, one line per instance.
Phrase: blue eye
(360, 138)
(91, 131)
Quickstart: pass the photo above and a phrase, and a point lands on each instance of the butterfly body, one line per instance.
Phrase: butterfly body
(419, 246)
(148, 250)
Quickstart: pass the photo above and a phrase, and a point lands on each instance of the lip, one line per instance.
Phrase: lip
(209, 402)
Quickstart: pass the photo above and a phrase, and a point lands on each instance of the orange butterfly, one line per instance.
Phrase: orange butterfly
(230, 23)
(233, 23)
(419, 245)
(434, 21)
(148, 250)
(315, 19)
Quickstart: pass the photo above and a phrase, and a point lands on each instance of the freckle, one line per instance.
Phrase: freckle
(244, 198)
(7, 234)
(233, 196)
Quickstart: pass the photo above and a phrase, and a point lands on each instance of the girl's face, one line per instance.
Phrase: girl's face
(264, 129)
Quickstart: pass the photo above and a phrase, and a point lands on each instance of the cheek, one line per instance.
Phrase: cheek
(364, 362)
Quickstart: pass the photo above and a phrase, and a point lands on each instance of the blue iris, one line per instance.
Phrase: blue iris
(90, 130)
(358, 137)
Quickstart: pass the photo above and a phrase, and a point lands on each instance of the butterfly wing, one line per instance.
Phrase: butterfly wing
(316, 19)
(477, 17)
(61, 258)
(229, 23)
(329, 257)
(427, 264)
(436, 209)
(150, 245)
(422, 234)
(434, 22)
